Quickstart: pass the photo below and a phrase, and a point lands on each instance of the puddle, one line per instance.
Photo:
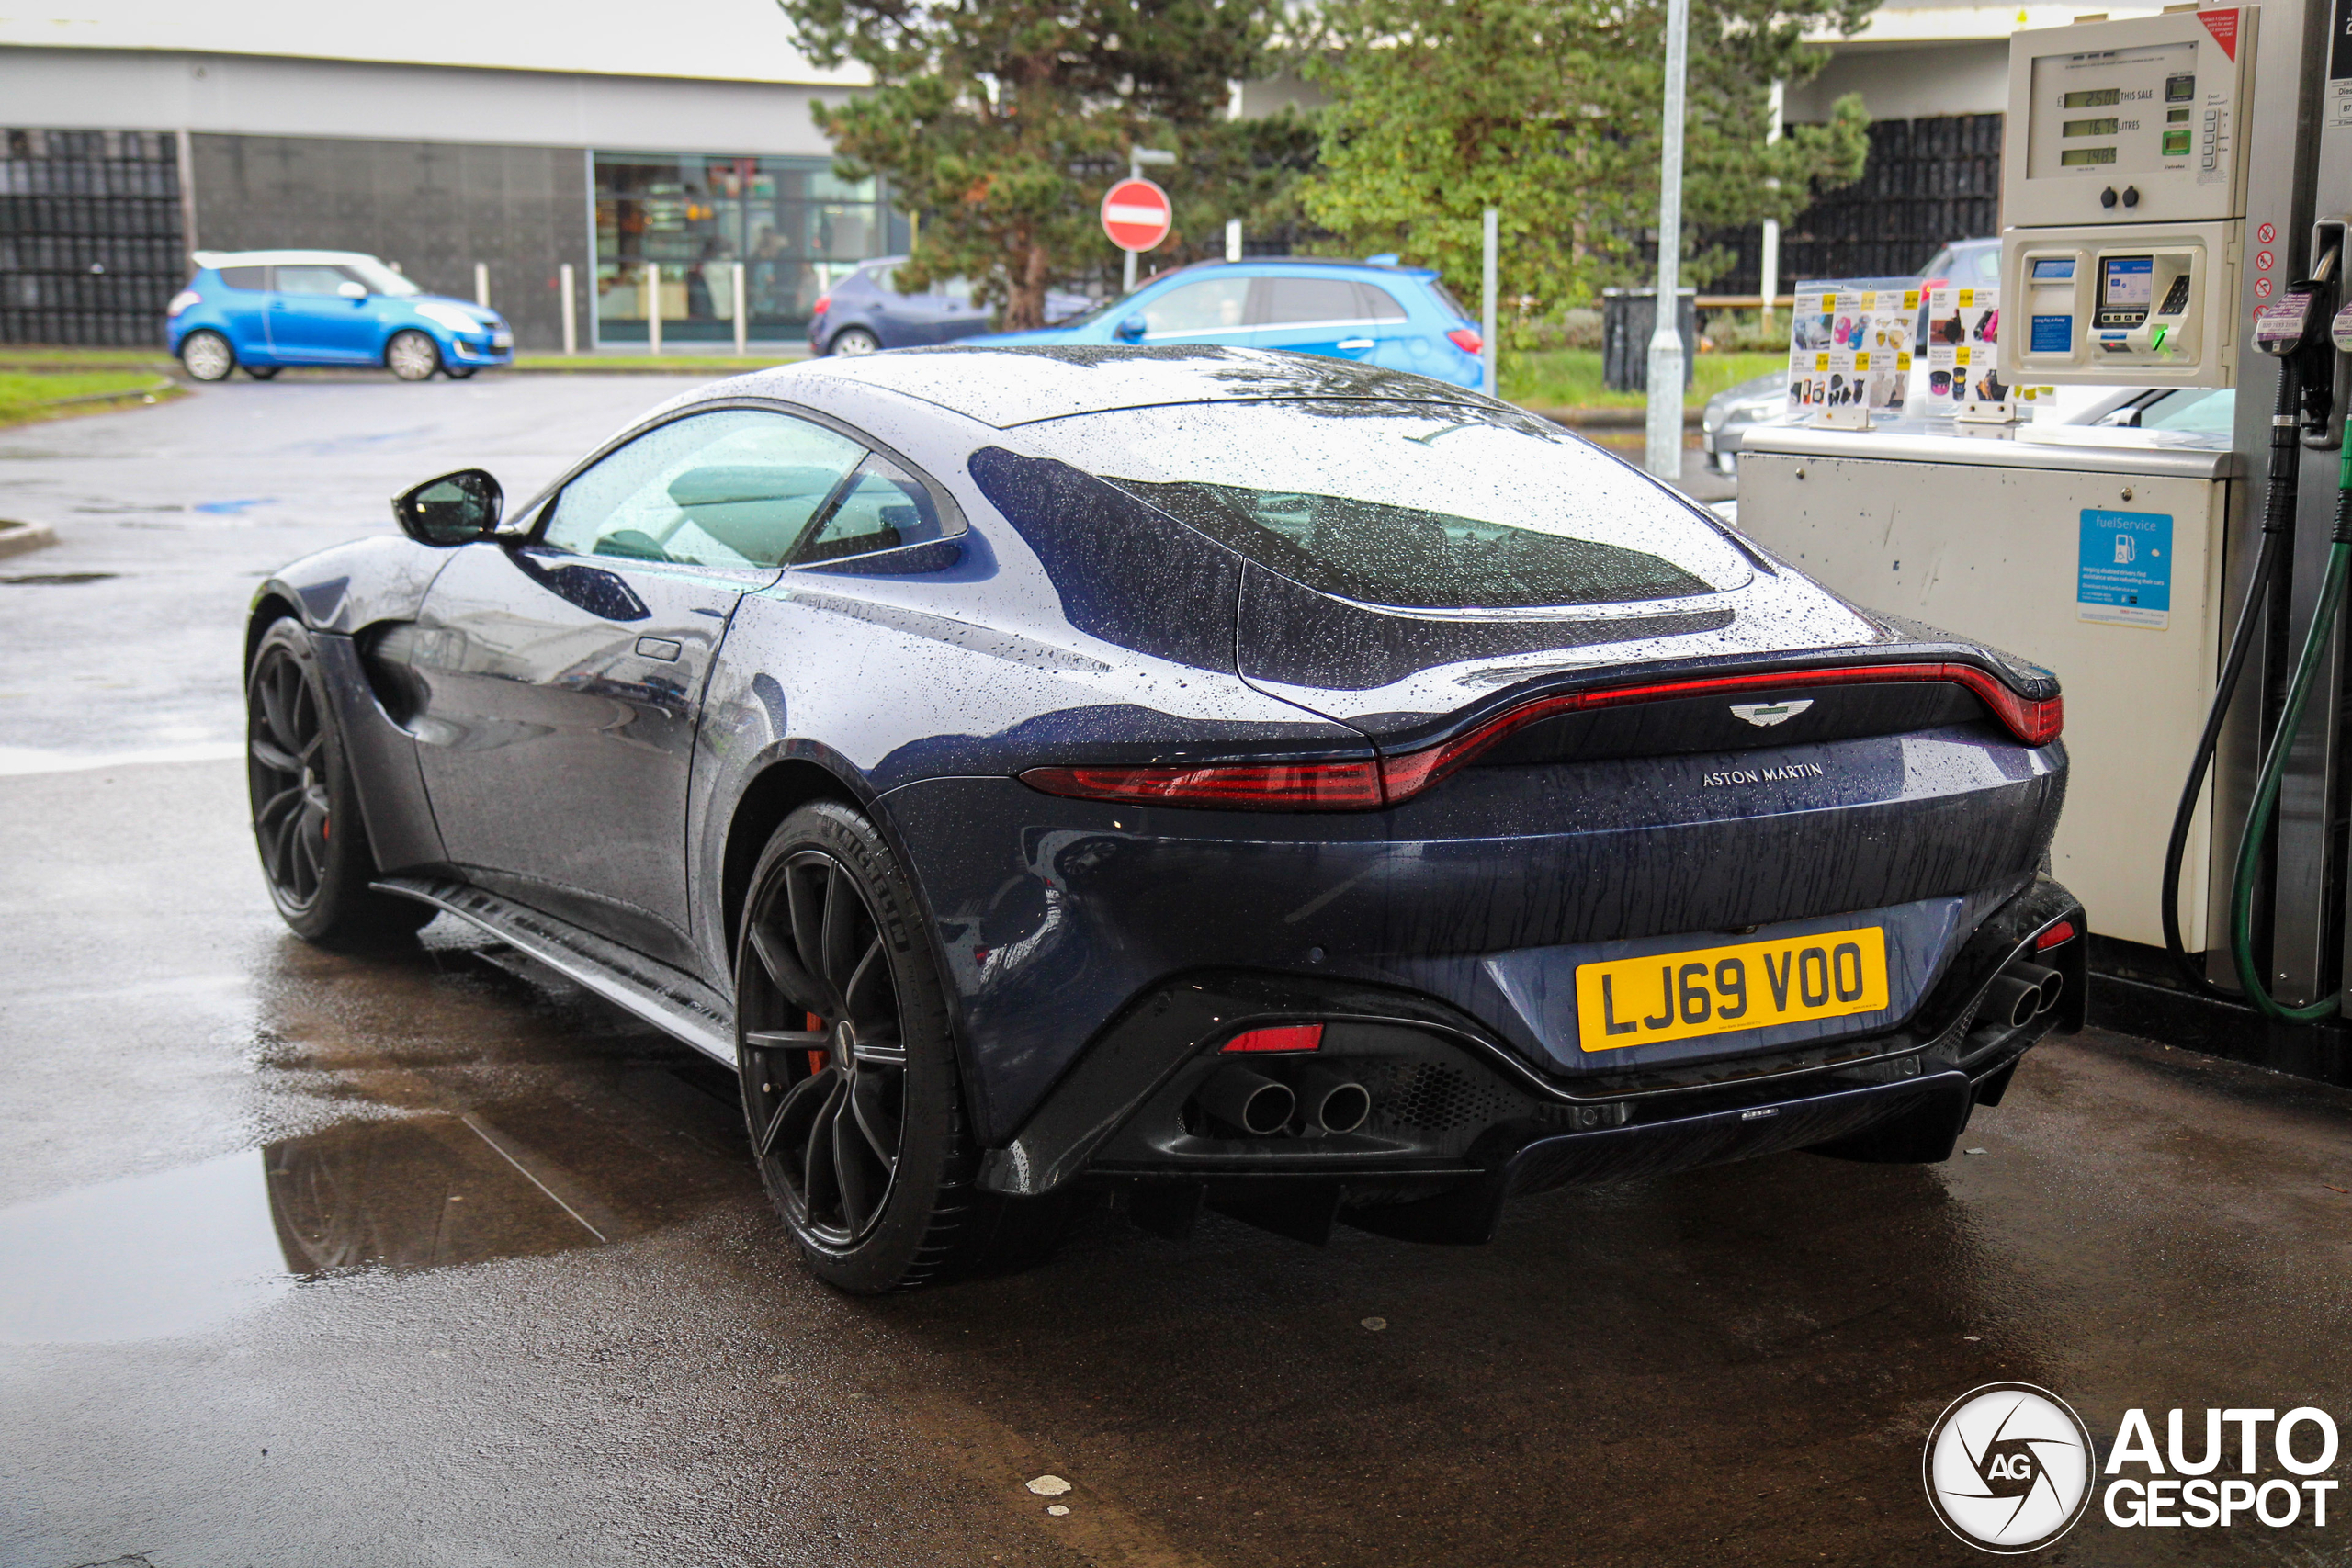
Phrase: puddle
(172, 1253)
(425, 1192)
(183, 1251)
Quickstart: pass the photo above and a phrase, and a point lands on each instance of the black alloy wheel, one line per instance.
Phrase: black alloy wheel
(307, 826)
(286, 764)
(852, 1093)
(832, 1092)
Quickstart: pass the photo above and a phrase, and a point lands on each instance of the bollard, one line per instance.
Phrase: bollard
(481, 284)
(1233, 239)
(653, 308)
(742, 326)
(571, 328)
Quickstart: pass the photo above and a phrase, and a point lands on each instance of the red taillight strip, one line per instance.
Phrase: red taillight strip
(1246, 786)
(1366, 785)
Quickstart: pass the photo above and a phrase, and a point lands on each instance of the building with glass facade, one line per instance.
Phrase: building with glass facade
(792, 222)
(457, 142)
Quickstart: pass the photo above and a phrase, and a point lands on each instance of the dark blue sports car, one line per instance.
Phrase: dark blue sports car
(1195, 775)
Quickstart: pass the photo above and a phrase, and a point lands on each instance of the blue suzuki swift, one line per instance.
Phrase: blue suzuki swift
(1395, 317)
(266, 310)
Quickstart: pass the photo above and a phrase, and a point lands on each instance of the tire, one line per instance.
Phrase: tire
(413, 356)
(307, 827)
(459, 372)
(852, 343)
(206, 356)
(858, 1125)
(262, 372)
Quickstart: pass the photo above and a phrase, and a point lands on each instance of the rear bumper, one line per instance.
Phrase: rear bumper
(1055, 917)
(1455, 1106)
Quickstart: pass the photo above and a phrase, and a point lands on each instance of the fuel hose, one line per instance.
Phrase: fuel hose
(2277, 521)
(2274, 766)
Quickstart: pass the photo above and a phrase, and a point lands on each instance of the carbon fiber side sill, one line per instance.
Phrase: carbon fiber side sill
(673, 1003)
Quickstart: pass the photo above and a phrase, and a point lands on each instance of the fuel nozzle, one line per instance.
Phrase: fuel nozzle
(2295, 327)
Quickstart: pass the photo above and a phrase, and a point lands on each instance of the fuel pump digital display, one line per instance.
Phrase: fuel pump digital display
(2129, 280)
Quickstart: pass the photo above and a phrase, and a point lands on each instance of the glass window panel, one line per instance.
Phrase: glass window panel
(1410, 505)
(734, 488)
(795, 226)
(1294, 301)
(309, 279)
(1216, 304)
(1377, 304)
(886, 507)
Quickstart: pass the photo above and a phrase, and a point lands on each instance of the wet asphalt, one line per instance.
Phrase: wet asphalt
(433, 1260)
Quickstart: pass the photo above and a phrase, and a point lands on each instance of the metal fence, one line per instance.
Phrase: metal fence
(1928, 182)
(90, 236)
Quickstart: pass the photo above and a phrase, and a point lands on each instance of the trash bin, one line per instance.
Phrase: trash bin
(1628, 316)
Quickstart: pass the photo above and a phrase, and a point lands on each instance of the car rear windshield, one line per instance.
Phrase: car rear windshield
(1410, 505)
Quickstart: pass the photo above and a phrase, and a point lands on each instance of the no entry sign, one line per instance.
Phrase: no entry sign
(1135, 215)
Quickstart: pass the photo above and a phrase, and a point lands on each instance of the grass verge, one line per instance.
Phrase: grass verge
(27, 396)
(1570, 378)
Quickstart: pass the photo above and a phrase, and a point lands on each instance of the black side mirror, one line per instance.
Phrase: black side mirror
(1130, 330)
(456, 509)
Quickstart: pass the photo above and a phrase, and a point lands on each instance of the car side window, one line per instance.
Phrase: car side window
(255, 279)
(1294, 301)
(731, 488)
(1214, 304)
(1376, 304)
(309, 279)
(885, 508)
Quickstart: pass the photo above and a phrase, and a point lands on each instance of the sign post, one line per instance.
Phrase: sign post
(1663, 452)
(1136, 214)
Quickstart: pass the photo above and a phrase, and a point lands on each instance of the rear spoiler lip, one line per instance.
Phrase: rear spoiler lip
(2037, 687)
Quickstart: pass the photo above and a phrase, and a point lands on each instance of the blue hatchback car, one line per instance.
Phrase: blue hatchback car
(1395, 317)
(266, 310)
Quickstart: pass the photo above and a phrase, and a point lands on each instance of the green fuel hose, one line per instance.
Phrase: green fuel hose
(2274, 767)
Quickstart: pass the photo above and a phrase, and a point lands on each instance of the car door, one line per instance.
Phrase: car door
(1211, 310)
(1330, 316)
(563, 675)
(310, 317)
(244, 311)
(960, 315)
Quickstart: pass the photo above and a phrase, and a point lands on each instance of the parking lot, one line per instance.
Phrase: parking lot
(437, 1259)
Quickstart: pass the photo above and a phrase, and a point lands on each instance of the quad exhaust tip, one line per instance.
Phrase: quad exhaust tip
(1249, 1101)
(1334, 1102)
(2022, 992)
(1321, 1100)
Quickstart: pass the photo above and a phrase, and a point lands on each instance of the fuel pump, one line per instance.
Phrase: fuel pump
(2294, 330)
(2123, 181)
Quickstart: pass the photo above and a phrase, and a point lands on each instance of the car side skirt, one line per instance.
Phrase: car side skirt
(671, 1000)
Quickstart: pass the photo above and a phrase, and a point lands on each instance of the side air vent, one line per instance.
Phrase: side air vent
(384, 652)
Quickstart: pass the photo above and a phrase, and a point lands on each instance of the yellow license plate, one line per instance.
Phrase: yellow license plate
(1723, 990)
